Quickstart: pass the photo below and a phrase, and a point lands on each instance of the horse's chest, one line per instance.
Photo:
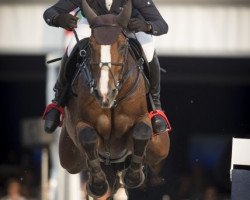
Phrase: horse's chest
(103, 125)
(122, 123)
(116, 125)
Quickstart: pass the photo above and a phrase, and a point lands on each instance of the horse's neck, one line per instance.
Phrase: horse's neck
(132, 79)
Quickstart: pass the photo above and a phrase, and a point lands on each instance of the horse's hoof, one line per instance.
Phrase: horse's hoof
(133, 178)
(97, 190)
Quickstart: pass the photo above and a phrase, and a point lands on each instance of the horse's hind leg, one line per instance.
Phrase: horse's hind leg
(157, 151)
(88, 138)
(71, 158)
(134, 175)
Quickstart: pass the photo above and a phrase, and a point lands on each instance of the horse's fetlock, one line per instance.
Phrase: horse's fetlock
(133, 178)
(135, 166)
(95, 165)
(142, 131)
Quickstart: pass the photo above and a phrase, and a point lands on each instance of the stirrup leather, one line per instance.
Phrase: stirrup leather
(161, 113)
(55, 106)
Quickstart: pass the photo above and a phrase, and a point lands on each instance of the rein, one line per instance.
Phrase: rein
(134, 85)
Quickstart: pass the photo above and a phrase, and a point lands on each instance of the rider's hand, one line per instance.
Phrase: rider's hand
(137, 25)
(66, 21)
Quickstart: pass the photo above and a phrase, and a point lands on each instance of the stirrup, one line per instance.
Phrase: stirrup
(162, 114)
(54, 106)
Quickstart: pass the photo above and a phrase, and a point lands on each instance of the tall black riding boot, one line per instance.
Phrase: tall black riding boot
(159, 123)
(54, 112)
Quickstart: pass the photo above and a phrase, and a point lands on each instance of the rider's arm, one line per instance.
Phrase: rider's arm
(62, 6)
(151, 14)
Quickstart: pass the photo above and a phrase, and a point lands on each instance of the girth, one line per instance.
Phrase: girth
(107, 160)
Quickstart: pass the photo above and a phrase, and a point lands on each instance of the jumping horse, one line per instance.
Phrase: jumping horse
(107, 122)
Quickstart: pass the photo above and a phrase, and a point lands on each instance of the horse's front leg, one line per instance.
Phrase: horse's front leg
(88, 140)
(134, 177)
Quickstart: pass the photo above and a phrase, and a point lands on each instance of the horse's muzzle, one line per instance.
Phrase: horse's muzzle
(106, 104)
(105, 101)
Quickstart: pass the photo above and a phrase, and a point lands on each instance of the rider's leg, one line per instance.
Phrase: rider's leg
(155, 79)
(54, 111)
(159, 120)
(159, 124)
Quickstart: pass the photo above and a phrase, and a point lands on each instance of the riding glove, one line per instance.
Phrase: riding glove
(137, 25)
(66, 21)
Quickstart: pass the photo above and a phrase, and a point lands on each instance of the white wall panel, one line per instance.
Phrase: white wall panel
(205, 30)
(22, 29)
(194, 29)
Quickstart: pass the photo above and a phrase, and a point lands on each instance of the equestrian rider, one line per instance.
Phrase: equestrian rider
(145, 22)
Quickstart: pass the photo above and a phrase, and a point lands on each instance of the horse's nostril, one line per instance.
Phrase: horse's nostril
(105, 103)
(104, 97)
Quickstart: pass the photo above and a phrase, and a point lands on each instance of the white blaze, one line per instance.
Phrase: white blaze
(108, 4)
(104, 78)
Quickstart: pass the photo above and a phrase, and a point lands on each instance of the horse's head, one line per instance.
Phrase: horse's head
(109, 52)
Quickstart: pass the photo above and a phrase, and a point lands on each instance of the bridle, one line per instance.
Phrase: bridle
(123, 76)
(117, 83)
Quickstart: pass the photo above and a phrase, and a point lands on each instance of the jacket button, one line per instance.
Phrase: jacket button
(48, 20)
(155, 32)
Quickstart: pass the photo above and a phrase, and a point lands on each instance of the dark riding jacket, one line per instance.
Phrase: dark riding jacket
(143, 9)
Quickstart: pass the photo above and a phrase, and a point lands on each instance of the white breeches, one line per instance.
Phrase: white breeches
(83, 31)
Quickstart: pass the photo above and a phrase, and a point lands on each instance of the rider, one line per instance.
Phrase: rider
(145, 21)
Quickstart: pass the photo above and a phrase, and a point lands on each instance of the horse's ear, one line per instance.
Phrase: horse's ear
(88, 11)
(125, 15)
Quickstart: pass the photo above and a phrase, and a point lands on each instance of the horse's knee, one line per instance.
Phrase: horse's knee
(88, 139)
(87, 135)
(141, 136)
(142, 131)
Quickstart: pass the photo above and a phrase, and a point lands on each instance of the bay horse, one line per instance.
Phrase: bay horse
(107, 122)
